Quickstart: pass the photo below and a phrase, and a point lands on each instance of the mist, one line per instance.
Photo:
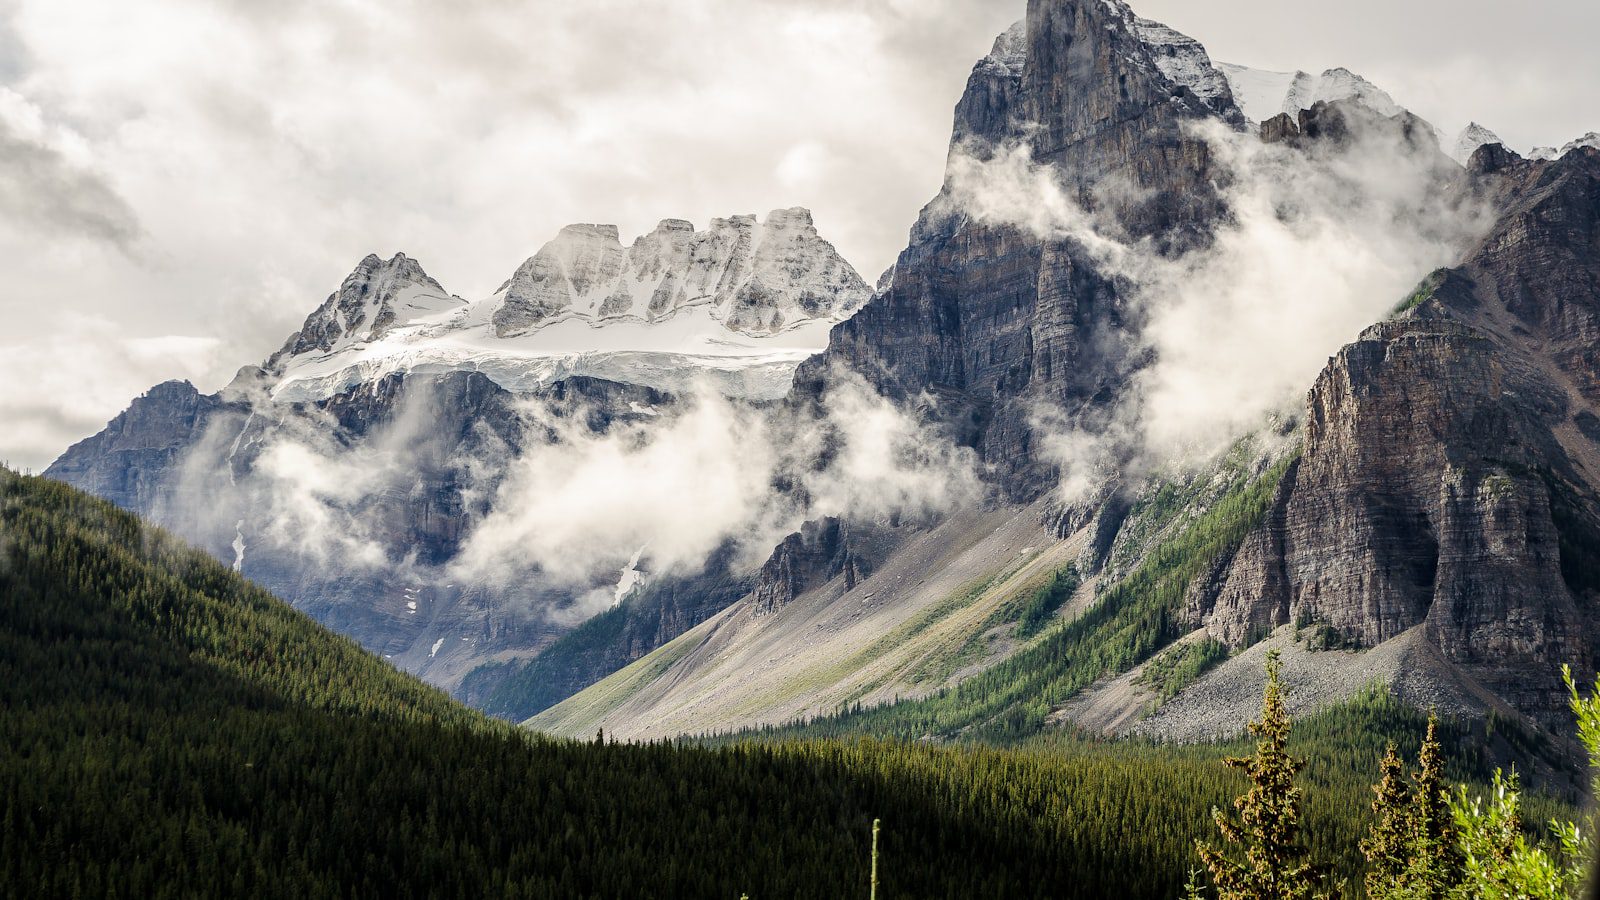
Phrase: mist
(1319, 243)
(559, 518)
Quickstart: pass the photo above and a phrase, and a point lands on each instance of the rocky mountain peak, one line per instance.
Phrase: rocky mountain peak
(1592, 139)
(754, 276)
(1095, 69)
(1009, 54)
(378, 295)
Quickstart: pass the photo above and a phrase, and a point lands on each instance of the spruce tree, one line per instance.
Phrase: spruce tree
(1267, 830)
(1435, 857)
(1387, 846)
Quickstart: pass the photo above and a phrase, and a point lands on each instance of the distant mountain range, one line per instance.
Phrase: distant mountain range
(1423, 512)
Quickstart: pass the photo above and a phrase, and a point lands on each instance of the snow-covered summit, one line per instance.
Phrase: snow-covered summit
(1179, 58)
(1184, 61)
(1592, 139)
(1471, 138)
(738, 306)
(1263, 94)
(379, 295)
(754, 277)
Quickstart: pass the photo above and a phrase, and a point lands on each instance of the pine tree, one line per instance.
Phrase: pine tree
(1268, 828)
(1388, 843)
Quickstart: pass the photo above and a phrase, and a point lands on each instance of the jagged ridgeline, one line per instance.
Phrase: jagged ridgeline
(167, 727)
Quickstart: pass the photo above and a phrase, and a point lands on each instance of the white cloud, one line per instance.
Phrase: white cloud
(583, 506)
(587, 502)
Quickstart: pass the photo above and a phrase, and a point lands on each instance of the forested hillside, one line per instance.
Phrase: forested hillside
(168, 729)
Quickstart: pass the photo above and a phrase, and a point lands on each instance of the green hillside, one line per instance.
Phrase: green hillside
(168, 729)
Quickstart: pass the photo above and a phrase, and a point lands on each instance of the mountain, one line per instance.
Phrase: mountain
(1421, 517)
(1184, 362)
(1592, 139)
(741, 303)
(1262, 94)
(169, 727)
(348, 471)
(1471, 138)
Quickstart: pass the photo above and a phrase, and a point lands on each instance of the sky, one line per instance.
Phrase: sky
(181, 182)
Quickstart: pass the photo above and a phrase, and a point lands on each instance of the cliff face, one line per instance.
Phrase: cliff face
(821, 551)
(982, 321)
(1448, 476)
(127, 462)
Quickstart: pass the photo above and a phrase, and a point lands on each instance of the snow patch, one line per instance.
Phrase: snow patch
(1262, 94)
(1592, 139)
(436, 645)
(630, 578)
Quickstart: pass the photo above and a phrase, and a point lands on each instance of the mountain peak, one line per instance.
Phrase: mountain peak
(1009, 54)
(1264, 94)
(755, 276)
(1471, 138)
(376, 296)
(1592, 139)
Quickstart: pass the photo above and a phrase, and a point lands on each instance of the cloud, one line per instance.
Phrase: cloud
(589, 501)
(1318, 245)
(558, 502)
(664, 494)
(44, 192)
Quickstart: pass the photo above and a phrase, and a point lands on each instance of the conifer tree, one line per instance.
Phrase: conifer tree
(1435, 857)
(1387, 846)
(1274, 866)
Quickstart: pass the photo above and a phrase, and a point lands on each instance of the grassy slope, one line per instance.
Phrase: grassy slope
(1129, 622)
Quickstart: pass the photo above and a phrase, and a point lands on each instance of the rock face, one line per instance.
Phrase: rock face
(818, 553)
(665, 608)
(755, 277)
(127, 463)
(1447, 480)
(983, 321)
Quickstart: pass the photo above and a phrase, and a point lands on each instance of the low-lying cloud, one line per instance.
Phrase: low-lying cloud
(1320, 243)
(554, 517)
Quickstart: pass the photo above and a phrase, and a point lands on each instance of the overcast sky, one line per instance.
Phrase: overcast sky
(182, 181)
